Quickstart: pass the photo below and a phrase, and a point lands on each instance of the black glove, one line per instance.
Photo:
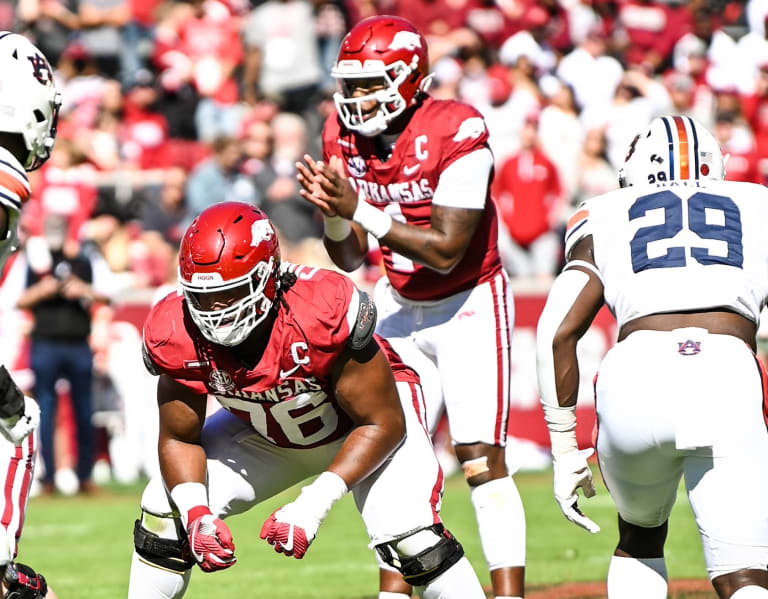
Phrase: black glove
(11, 397)
(23, 582)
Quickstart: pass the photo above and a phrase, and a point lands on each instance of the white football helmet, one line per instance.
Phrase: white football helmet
(672, 148)
(29, 102)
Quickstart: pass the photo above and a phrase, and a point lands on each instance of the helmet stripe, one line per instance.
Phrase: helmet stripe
(695, 148)
(682, 136)
(671, 144)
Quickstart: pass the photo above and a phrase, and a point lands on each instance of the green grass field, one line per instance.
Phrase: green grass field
(83, 546)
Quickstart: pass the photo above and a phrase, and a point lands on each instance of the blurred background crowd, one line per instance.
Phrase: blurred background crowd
(173, 105)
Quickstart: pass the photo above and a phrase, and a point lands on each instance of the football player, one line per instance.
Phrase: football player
(415, 172)
(681, 259)
(290, 353)
(29, 106)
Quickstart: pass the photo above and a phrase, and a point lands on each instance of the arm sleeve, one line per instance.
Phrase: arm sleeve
(464, 183)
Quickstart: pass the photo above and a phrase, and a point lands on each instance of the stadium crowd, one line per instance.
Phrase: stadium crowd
(171, 106)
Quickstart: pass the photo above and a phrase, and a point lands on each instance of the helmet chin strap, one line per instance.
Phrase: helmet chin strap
(374, 126)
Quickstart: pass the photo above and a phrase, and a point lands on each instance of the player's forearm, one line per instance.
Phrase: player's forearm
(365, 449)
(347, 254)
(429, 247)
(181, 462)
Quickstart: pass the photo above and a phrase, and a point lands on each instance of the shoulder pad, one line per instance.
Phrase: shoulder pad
(149, 363)
(578, 228)
(362, 330)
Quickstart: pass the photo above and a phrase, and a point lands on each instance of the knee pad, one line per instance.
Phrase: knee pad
(160, 541)
(158, 536)
(423, 555)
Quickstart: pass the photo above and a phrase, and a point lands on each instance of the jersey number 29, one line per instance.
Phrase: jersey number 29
(699, 204)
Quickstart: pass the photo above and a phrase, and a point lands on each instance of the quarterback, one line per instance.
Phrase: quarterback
(681, 259)
(307, 388)
(414, 173)
(29, 106)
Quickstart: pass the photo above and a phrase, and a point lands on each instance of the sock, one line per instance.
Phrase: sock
(630, 578)
(458, 582)
(387, 595)
(500, 523)
(151, 582)
(750, 592)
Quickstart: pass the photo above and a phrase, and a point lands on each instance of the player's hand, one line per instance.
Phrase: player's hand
(290, 530)
(22, 582)
(16, 428)
(571, 472)
(327, 187)
(210, 540)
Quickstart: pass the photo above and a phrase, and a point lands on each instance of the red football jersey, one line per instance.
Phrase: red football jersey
(287, 396)
(438, 133)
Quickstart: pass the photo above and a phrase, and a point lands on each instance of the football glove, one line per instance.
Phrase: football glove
(210, 540)
(22, 582)
(572, 472)
(17, 428)
(292, 528)
(11, 398)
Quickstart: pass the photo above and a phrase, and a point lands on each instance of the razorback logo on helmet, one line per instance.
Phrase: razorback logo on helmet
(405, 40)
(261, 230)
(40, 69)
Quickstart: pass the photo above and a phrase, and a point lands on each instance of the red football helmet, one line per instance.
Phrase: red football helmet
(229, 265)
(384, 48)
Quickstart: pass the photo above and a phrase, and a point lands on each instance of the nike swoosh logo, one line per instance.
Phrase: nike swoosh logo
(287, 373)
(409, 170)
(289, 545)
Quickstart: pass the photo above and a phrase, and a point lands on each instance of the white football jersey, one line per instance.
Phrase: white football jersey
(678, 246)
(14, 191)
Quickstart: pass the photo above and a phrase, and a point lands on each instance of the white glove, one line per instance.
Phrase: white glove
(572, 472)
(15, 428)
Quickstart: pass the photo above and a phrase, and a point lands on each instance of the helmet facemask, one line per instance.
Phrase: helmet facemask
(390, 102)
(231, 324)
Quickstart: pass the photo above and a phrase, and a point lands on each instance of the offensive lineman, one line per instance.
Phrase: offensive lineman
(29, 106)
(422, 170)
(681, 259)
(290, 353)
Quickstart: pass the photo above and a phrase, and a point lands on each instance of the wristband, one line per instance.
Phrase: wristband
(319, 497)
(337, 228)
(189, 496)
(561, 422)
(373, 220)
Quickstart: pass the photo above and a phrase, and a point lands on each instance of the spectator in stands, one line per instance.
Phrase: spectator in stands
(294, 218)
(282, 60)
(163, 215)
(529, 195)
(590, 71)
(721, 51)
(218, 178)
(595, 174)
(755, 108)
(638, 99)
(735, 139)
(50, 23)
(651, 29)
(62, 284)
(561, 136)
(144, 131)
(101, 22)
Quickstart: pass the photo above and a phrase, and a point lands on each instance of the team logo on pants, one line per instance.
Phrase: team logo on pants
(689, 348)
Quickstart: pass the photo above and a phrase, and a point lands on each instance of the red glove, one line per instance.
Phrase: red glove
(209, 540)
(292, 528)
(288, 537)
